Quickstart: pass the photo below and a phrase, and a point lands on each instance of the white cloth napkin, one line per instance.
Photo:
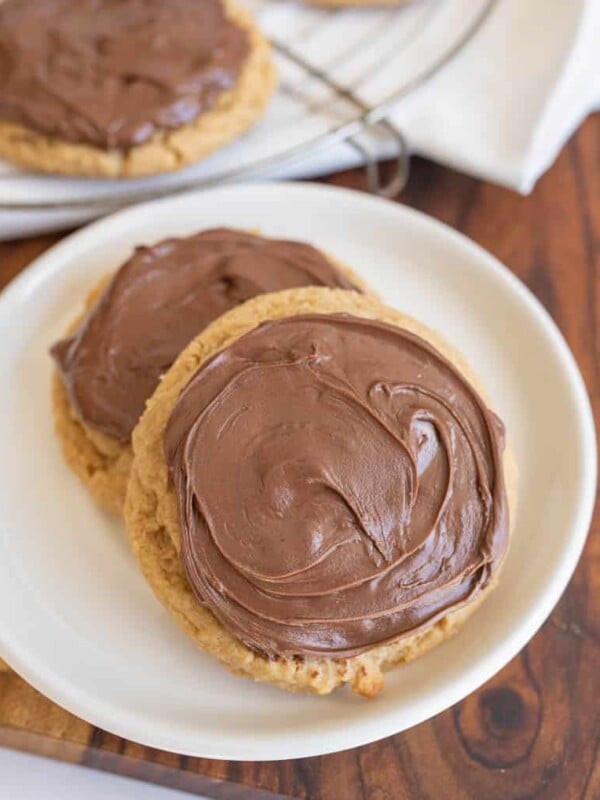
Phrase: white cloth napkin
(28, 777)
(505, 106)
(500, 110)
(503, 109)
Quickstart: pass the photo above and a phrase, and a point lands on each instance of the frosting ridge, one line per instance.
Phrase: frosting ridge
(340, 485)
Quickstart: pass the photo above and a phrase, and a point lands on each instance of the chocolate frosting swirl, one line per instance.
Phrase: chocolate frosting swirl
(158, 301)
(340, 485)
(112, 72)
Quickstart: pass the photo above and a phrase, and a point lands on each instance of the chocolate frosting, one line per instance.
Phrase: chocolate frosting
(112, 72)
(158, 301)
(340, 484)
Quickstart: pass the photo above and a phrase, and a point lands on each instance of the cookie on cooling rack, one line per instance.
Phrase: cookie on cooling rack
(137, 322)
(115, 88)
(317, 491)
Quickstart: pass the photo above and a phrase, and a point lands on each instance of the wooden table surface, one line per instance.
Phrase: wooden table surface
(534, 730)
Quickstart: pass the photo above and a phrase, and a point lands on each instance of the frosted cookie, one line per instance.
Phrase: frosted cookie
(126, 88)
(318, 492)
(137, 322)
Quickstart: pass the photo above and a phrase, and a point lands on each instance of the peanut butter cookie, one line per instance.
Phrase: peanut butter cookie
(318, 493)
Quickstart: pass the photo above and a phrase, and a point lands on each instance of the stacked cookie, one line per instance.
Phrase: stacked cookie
(136, 323)
(311, 483)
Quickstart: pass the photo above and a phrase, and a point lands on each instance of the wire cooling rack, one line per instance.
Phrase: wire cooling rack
(341, 72)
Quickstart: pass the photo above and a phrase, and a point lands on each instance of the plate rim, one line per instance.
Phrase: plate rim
(300, 744)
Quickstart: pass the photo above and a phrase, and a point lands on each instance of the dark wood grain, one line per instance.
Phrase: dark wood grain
(534, 730)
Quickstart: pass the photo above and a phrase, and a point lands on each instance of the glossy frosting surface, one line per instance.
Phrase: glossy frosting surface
(340, 484)
(112, 72)
(158, 301)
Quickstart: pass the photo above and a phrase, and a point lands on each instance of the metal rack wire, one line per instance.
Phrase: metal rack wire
(343, 78)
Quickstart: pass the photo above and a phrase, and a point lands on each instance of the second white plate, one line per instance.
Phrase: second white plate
(77, 619)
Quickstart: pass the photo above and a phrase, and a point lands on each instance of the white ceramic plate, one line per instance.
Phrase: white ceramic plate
(77, 619)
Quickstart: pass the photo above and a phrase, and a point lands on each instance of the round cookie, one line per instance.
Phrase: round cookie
(168, 149)
(102, 461)
(153, 521)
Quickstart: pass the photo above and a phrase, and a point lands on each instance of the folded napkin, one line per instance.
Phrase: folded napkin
(505, 106)
(501, 109)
